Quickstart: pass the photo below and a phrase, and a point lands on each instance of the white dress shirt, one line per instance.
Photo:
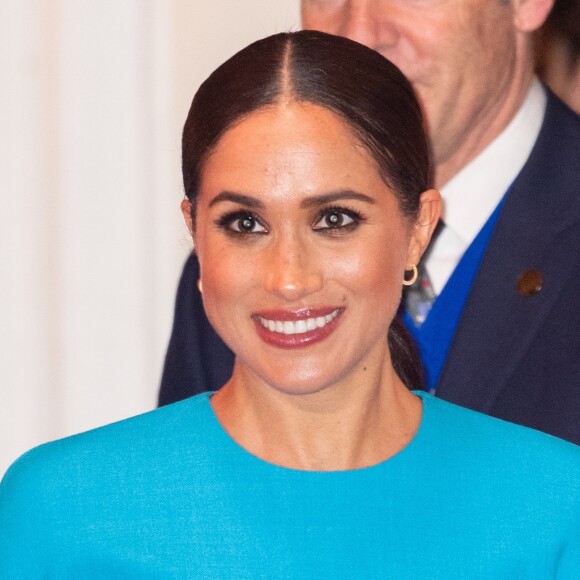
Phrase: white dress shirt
(471, 196)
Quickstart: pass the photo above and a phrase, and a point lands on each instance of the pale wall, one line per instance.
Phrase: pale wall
(94, 93)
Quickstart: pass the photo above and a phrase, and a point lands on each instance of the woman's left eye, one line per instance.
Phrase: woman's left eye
(334, 219)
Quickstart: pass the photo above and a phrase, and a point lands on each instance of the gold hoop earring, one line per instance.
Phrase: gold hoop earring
(413, 278)
(200, 286)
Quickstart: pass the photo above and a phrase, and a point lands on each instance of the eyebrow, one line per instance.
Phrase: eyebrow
(240, 198)
(324, 198)
(314, 201)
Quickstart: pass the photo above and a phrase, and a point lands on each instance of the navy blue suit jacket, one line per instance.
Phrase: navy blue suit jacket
(513, 356)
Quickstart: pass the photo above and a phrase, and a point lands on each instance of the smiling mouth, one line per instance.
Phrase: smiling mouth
(294, 329)
(303, 326)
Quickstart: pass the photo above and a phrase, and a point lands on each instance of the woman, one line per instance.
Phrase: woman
(306, 172)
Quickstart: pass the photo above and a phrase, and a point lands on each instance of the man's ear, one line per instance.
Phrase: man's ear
(423, 228)
(529, 15)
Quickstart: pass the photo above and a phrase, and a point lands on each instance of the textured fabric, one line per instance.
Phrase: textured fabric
(514, 356)
(197, 359)
(169, 494)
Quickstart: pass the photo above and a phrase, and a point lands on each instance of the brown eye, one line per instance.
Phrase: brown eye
(336, 219)
(246, 224)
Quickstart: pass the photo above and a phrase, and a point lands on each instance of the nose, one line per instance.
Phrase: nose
(369, 22)
(291, 272)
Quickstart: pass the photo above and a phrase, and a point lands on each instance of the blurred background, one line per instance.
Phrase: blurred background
(93, 97)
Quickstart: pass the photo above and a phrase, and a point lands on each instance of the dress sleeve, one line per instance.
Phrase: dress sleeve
(569, 565)
(23, 533)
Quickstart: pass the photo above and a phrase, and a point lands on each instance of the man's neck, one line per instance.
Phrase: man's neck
(491, 121)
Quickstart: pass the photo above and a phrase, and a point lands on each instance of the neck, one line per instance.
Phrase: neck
(337, 428)
(486, 124)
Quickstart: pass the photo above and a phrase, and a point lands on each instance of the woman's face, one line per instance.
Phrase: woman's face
(302, 248)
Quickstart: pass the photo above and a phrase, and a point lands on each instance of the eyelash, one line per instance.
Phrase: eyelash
(356, 217)
(227, 221)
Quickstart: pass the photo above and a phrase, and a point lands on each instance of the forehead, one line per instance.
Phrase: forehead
(287, 120)
(296, 146)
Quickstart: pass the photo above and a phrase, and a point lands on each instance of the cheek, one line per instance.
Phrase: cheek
(374, 272)
(226, 275)
(227, 284)
(223, 273)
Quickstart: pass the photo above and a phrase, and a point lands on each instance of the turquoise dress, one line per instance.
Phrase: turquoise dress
(169, 494)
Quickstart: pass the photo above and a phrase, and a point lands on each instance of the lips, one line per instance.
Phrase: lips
(290, 329)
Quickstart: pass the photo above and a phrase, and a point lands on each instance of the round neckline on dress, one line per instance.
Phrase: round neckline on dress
(243, 454)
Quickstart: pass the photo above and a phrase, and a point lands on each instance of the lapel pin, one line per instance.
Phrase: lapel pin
(530, 283)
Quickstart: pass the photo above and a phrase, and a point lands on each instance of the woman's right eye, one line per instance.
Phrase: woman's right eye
(242, 223)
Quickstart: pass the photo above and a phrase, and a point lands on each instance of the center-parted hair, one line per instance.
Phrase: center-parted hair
(364, 89)
(367, 91)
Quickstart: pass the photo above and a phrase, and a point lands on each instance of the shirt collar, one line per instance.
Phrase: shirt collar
(472, 195)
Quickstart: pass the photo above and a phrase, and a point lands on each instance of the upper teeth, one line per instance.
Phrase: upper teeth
(298, 326)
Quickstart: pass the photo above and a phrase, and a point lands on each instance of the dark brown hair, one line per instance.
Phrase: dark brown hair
(367, 91)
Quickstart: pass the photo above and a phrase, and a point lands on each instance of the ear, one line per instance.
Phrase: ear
(529, 15)
(423, 228)
(186, 211)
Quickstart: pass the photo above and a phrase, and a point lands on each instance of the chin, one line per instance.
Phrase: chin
(299, 382)
(301, 391)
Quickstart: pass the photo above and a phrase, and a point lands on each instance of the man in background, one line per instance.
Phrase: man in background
(495, 310)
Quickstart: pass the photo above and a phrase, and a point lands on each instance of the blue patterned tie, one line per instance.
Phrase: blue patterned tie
(419, 297)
